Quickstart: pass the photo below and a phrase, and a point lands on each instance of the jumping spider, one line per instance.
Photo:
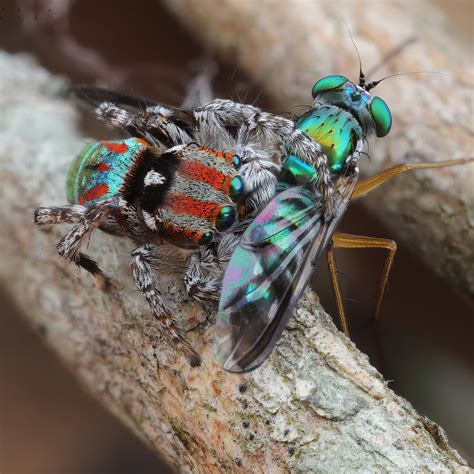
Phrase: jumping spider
(186, 179)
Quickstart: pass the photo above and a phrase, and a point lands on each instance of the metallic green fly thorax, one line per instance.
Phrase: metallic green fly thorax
(335, 129)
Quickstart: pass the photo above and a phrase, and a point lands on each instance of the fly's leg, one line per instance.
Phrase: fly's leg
(337, 291)
(367, 185)
(204, 272)
(144, 259)
(86, 220)
(341, 240)
(154, 123)
(350, 241)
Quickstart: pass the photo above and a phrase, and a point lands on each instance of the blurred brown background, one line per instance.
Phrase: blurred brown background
(423, 342)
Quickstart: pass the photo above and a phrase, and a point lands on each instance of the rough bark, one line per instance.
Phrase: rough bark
(316, 405)
(287, 45)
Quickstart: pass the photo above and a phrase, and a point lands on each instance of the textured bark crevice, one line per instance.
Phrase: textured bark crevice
(316, 405)
(287, 46)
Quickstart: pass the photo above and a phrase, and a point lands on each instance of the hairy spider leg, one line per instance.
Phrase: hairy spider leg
(86, 220)
(154, 123)
(142, 262)
(205, 270)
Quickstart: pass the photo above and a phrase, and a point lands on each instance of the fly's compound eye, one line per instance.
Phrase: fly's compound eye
(237, 162)
(328, 83)
(381, 116)
(236, 188)
(206, 239)
(225, 218)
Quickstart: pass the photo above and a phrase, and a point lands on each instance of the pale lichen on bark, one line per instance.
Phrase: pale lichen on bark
(316, 405)
(287, 46)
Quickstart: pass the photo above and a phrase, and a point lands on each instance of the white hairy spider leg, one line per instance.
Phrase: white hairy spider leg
(153, 124)
(58, 215)
(205, 270)
(69, 246)
(86, 219)
(200, 283)
(147, 282)
(214, 121)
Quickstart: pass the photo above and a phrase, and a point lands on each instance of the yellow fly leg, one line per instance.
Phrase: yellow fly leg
(350, 241)
(365, 186)
(337, 291)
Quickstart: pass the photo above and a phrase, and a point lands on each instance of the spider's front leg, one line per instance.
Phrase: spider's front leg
(205, 269)
(86, 220)
(155, 123)
(215, 122)
(217, 125)
(267, 128)
(143, 261)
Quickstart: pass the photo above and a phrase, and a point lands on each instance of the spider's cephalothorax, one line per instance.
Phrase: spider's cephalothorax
(181, 179)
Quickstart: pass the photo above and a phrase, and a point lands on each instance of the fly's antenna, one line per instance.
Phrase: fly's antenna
(361, 73)
(372, 84)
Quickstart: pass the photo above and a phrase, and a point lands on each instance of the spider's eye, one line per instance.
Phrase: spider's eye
(328, 83)
(225, 218)
(381, 115)
(206, 238)
(236, 188)
(236, 161)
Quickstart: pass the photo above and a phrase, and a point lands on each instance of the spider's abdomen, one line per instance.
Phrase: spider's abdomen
(201, 197)
(101, 169)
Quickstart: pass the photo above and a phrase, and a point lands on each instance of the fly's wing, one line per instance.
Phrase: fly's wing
(268, 273)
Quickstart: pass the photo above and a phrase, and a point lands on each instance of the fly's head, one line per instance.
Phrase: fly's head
(342, 116)
(371, 112)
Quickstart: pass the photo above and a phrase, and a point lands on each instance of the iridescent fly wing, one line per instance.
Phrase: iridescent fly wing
(268, 273)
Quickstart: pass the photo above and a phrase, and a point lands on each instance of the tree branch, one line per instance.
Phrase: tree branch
(317, 404)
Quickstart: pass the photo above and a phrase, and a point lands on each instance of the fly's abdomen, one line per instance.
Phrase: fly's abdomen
(101, 169)
(335, 129)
